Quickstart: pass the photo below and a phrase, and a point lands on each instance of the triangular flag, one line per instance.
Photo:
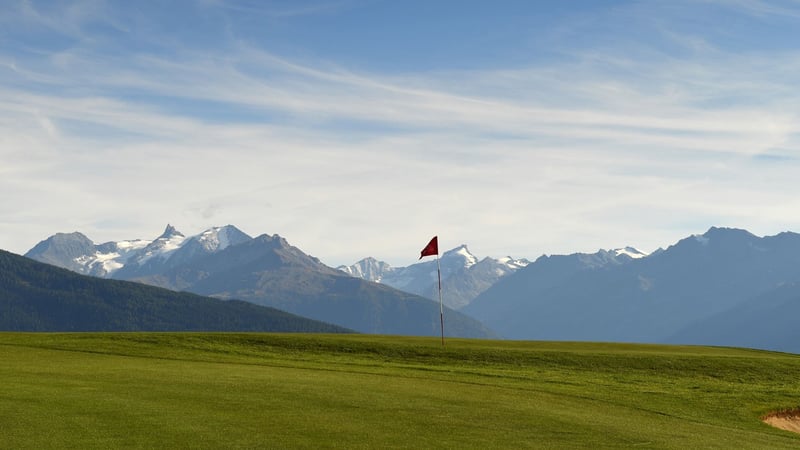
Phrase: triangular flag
(431, 249)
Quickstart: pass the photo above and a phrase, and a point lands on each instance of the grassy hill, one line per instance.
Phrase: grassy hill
(39, 297)
(355, 391)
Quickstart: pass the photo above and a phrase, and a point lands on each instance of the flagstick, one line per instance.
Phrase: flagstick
(441, 307)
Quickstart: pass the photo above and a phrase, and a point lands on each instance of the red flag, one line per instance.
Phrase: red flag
(431, 249)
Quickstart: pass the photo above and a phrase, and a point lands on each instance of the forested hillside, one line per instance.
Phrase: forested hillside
(39, 297)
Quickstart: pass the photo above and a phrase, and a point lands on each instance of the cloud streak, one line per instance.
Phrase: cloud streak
(598, 148)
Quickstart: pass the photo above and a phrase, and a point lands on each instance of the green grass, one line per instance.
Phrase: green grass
(199, 390)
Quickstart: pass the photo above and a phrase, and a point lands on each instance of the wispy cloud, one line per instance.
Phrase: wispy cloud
(762, 8)
(273, 11)
(631, 143)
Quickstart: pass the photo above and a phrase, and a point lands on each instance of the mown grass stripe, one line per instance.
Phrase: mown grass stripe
(233, 390)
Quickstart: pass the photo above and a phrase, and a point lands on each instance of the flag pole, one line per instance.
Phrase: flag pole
(433, 249)
(441, 307)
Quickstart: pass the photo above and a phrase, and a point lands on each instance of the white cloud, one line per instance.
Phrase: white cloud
(597, 149)
(762, 8)
(270, 10)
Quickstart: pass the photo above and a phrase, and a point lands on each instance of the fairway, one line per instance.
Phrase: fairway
(198, 390)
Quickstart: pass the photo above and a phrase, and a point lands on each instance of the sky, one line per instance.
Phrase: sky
(358, 128)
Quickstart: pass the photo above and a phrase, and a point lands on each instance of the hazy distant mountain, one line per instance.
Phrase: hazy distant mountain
(266, 270)
(40, 297)
(462, 287)
(463, 275)
(768, 321)
(612, 297)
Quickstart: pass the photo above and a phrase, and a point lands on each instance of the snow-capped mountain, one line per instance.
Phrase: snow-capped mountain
(109, 257)
(464, 277)
(511, 263)
(172, 249)
(153, 255)
(369, 269)
(208, 242)
(125, 259)
(266, 270)
(76, 252)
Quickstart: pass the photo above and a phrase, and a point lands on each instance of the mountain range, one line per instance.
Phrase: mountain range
(226, 263)
(724, 287)
(464, 277)
(40, 297)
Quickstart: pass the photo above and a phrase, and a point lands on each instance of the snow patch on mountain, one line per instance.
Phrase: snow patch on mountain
(513, 264)
(106, 259)
(111, 256)
(215, 239)
(462, 255)
(629, 251)
(369, 269)
(162, 247)
(463, 273)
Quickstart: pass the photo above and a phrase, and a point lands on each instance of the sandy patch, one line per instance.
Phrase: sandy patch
(787, 420)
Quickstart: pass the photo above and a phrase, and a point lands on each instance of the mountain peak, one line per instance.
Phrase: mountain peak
(62, 249)
(462, 254)
(275, 239)
(169, 232)
(368, 268)
(74, 237)
(464, 276)
(723, 231)
(367, 261)
(219, 238)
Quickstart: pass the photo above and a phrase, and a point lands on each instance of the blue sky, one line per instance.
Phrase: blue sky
(361, 128)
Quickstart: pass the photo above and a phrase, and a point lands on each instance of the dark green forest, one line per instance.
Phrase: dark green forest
(39, 297)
